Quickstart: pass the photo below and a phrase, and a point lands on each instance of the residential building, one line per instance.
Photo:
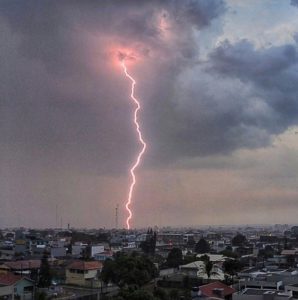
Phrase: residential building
(84, 273)
(16, 286)
(261, 294)
(217, 290)
(198, 269)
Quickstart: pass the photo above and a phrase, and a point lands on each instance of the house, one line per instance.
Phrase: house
(104, 255)
(58, 252)
(22, 266)
(216, 290)
(292, 256)
(96, 249)
(20, 247)
(29, 268)
(219, 259)
(268, 278)
(16, 286)
(193, 269)
(261, 294)
(6, 292)
(84, 273)
(198, 269)
(7, 252)
(293, 289)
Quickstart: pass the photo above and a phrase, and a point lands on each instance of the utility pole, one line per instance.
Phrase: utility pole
(116, 216)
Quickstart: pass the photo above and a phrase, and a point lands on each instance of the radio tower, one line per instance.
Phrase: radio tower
(116, 216)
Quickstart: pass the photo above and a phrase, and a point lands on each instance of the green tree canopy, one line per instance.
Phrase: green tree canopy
(239, 240)
(229, 253)
(148, 246)
(202, 246)
(232, 267)
(267, 252)
(128, 269)
(137, 294)
(208, 268)
(44, 274)
(175, 258)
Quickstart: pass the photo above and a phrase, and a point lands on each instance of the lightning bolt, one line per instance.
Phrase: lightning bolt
(139, 156)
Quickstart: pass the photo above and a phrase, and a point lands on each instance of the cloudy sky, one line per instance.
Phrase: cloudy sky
(218, 83)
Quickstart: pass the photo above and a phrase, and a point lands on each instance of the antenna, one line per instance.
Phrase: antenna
(116, 216)
(56, 222)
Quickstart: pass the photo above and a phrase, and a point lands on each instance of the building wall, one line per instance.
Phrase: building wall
(77, 250)
(20, 285)
(96, 249)
(74, 278)
(247, 297)
(260, 297)
(6, 290)
(189, 272)
(83, 279)
(90, 274)
(58, 252)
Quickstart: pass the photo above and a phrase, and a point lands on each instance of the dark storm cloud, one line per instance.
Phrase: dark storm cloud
(239, 98)
(273, 72)
(59, 101)
(294, 2)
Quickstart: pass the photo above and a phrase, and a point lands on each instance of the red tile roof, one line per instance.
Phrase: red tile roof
(85, 265)
(9, 278)
(23, 264)
(208, 289)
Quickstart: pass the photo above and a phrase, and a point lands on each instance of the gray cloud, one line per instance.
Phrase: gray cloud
(272, 75)
(60, 100)
(65, 107)
(65, 113)
(294, 2)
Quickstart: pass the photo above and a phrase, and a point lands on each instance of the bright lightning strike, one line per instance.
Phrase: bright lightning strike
(139, 157)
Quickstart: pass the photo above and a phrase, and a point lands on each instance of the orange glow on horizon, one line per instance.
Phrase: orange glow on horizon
(140, 154)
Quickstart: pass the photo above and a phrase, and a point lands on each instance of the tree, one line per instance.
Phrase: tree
(208, 267)
(148, 246)
(139, 294)
(232, 267)
(189, 258)
(126, 270)
(267, 252)
(86, 253)
(191, 242)
(174, 294)
(208, 264)
(239, 240)
(202, 246)
(161, 294)
(69, 249)
(175, 258)
(229, 253)
(44, 274)
(186, 282)
(209, 270)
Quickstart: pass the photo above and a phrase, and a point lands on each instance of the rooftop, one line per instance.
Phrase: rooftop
(85, 265)
(252, 292)
(9, 279)
(210, 289)
(23, 264)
